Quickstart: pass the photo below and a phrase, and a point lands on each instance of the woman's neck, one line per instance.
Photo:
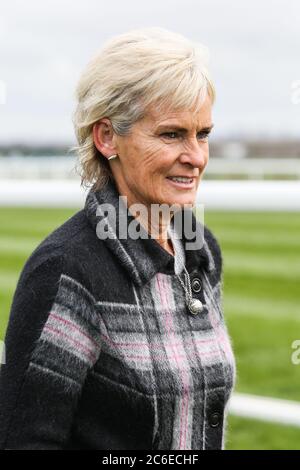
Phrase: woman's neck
(155, 220)
(157, 226)
(168, 246)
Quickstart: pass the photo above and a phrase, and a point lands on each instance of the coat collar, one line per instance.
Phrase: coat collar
(143, 257)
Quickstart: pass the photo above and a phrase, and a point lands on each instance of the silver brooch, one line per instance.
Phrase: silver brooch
(195, 306)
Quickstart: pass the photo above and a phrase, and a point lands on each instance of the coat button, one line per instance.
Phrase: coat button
(196, 285)
(215, 419)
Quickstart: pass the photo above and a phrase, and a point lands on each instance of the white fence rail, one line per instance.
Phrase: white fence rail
(250, 195)
(273, 410)
(215, 195)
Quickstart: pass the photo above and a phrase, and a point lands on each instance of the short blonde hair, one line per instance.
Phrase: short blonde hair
(131, 72)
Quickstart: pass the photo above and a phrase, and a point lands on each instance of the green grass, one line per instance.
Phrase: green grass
(261, 298)
(261, 256)
(248, 434)
(261, 253)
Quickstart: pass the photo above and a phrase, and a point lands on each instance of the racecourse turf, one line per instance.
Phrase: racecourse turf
(261, 292)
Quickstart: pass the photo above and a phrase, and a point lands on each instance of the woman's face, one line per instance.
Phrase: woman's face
(159, 148)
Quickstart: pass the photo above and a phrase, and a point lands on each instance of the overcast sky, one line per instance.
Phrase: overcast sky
(254, 50)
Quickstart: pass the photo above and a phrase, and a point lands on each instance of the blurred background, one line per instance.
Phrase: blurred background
(251, 188)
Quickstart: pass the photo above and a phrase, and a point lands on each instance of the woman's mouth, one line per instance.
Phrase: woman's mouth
(182, 182)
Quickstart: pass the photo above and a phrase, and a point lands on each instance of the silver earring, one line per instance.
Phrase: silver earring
(112, 156)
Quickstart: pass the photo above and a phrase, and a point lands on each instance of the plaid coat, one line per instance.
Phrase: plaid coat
(101, 351)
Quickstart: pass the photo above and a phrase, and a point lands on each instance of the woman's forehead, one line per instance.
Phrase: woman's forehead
(184, 118)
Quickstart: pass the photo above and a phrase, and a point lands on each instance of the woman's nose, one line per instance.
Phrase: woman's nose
(195, 154)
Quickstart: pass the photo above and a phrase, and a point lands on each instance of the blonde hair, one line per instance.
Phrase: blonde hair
(131, 72)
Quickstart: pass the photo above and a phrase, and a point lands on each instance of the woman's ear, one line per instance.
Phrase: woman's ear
(103, 136)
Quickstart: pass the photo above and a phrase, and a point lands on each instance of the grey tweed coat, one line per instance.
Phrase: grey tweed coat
(101, 351)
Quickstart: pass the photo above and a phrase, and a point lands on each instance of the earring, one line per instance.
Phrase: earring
(112, 156)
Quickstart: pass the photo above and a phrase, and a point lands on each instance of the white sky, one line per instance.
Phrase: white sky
(254, 59)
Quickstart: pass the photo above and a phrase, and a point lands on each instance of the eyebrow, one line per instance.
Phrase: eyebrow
(182, 129)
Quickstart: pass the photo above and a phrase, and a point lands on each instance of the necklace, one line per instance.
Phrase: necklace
(195, 306)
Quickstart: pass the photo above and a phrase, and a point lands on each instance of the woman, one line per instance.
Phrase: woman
(113, 341)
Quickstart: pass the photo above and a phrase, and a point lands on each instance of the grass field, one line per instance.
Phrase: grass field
(261, 255)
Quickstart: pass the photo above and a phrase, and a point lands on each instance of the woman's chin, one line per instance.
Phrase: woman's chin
(183, 200)
(181, 196)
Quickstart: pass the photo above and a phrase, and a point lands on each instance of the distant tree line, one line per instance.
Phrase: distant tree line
(221, 148)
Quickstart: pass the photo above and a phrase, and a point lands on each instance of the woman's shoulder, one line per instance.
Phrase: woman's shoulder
(62, 252)
(72, 232)
(57, 271)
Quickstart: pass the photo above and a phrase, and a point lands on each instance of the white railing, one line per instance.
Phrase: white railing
(219, 195)
(274, 410)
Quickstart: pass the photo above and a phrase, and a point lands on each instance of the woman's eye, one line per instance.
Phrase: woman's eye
(172, 135)
(169, 134)
(204, 136)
